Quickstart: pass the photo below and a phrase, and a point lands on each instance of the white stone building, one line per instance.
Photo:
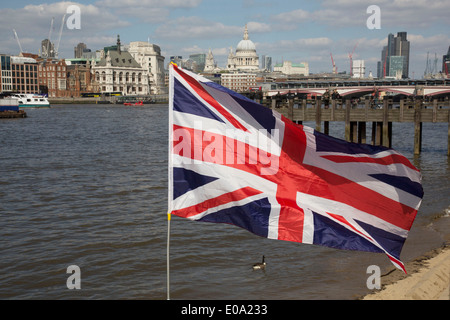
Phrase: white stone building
(287, 67)
(358, 69)
(150, 58)
(245, 58)
(118, 71)
(210, 63)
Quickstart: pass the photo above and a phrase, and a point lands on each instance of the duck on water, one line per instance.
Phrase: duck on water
(261, 265)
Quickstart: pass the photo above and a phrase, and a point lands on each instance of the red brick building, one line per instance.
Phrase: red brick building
(53, 78)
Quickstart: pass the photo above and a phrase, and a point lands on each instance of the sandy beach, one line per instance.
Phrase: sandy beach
(428, 278)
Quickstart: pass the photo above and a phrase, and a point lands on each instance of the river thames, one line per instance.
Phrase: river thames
(86, 185)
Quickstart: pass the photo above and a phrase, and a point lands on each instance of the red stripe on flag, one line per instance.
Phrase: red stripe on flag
(391, 159)
(225, 198)
(290, 178)
(345, 221)
(209, 99)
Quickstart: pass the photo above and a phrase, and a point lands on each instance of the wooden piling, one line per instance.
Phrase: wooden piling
(448, 135)
(347, 120)
(291, 109)
(326, 127)
(318, 115)
(385, 128)
(361, 132)
(417, 127)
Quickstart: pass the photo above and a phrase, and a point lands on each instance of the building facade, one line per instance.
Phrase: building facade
(19, 74)
(358, 69)
(289, 68)
(80, 79)
(6, 73)
(200, 60)
(210, 63)
(245, 58)
(53, 78)
(397, 46)
(149, 57)
(239, 82)
(118, 71)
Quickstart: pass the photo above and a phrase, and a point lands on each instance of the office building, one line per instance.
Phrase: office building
(396, 46)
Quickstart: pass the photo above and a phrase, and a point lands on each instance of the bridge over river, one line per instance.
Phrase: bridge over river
(357, 105)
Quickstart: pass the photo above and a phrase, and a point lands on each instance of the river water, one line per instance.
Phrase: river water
(86, 185)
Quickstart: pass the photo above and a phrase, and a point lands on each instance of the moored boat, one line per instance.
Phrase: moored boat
(140, 103)
(9, 108)
(27, 100)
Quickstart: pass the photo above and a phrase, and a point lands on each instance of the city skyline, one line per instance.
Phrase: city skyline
(285, 30)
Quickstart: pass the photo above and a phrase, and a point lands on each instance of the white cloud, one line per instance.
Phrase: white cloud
(32, 24)
(149, 3)
(148, 11)
(347, 13)
(187, 28)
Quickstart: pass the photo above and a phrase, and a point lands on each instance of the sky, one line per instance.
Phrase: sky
(286, 30)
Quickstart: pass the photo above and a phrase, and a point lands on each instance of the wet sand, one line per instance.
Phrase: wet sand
(428, 278)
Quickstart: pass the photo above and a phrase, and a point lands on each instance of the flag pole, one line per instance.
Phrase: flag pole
(170, 176)
(168, 252)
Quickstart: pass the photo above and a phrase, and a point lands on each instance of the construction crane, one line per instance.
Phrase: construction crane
(60, 33)
(350, 55)
(18, 41)
(46, 52)
(334, 65)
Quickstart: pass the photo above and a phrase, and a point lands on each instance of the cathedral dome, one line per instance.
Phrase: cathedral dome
(246, 44)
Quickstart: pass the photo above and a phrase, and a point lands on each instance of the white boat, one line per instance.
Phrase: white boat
(31, 100)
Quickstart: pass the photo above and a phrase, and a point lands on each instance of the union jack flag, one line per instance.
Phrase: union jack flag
(234, 161)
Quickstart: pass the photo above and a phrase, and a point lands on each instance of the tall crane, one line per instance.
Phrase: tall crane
(46, 51)
(60, 33)
(18, 41)
(350, 55)
(334, 65)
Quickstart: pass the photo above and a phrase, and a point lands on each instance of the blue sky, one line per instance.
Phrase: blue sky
(285, 29)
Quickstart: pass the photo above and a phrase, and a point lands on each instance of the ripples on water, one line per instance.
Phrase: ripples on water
(87, 185)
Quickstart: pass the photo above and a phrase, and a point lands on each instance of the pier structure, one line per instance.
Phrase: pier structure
(356, 107)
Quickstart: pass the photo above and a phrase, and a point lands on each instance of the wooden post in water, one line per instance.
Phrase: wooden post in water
(448, 136)
(361, 132)
(417, 126)
(386, 138)
(326, 127)
(377, 137)
(347, 120)
(291, 109)
(318, 115)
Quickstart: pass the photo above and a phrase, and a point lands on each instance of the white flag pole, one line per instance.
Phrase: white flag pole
(168, 255)
(170, 175)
